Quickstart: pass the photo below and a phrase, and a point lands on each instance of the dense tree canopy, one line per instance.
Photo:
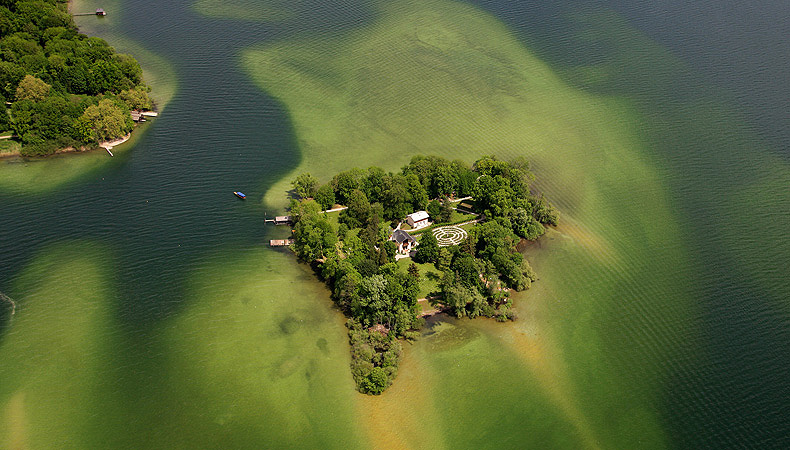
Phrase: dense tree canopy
(357, 258)
(52, 74)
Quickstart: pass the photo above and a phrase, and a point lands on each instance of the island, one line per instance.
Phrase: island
(61, 90)
(440, 236)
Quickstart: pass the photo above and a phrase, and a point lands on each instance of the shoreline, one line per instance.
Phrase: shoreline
(104, 145)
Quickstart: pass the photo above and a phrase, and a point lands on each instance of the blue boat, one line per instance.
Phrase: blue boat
(239, 195)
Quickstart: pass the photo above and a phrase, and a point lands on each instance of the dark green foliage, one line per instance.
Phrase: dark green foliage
(440, 177)
(446, 212)
(358, 209)
(45, 61)
(325, 196)
(544, 212)
(346, 182)
(379, 297)
(374, 357)
(525, 225)
(428, 250)
(434, 209)
(414, 272)
(5, 120)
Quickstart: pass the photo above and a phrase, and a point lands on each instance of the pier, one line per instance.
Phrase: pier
(280, 242)
(99, 12)
(279, 220)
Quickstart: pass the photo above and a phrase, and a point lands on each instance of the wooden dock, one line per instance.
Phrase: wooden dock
(99, 12)
(279, 220)
(280, 242)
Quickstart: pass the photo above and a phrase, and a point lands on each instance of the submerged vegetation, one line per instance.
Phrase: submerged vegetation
(357, 258)
(65, 89)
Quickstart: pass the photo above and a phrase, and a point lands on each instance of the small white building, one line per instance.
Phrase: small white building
(418, 219)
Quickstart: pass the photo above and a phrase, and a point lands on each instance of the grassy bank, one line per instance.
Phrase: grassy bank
(445, 78)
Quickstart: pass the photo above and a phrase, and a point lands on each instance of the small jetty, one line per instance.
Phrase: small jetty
(280, 242)
(99, 12)
(139, 115)
(279, 220)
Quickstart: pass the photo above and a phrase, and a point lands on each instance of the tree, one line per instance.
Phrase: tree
(376, 381)
(358, 210)
(10, 76)
(428, 250)
(5, 121)
(444, 259)
(345, 183)
(32, 88)
(304, 185)
(103, 122)
(545, 212)
(525, 225)
(446, 214)
(136, 98)
(369, 303)
(325, 196)
(434, 209)
(417, 192)
(414, 271)
(395, 197)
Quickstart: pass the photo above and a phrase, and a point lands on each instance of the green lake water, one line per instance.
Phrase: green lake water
(150, 313)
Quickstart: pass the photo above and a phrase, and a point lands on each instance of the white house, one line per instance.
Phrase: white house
(418, 219)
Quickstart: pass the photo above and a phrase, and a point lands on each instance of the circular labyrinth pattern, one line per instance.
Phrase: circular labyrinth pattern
(447, 236)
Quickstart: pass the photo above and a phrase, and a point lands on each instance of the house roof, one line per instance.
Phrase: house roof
(418, 216)
(401, 236)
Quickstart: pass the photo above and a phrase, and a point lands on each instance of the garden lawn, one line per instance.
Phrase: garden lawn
(429, 276)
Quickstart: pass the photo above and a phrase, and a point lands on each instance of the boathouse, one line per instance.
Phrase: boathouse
(405, 241)
(282, 220)
(418, 219)
(100, 12)
(280, 242)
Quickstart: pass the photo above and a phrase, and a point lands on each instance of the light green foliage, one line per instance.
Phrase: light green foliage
(314, 236)
(305, 185)
(136, 98)
(103, 122)
(32, 88)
